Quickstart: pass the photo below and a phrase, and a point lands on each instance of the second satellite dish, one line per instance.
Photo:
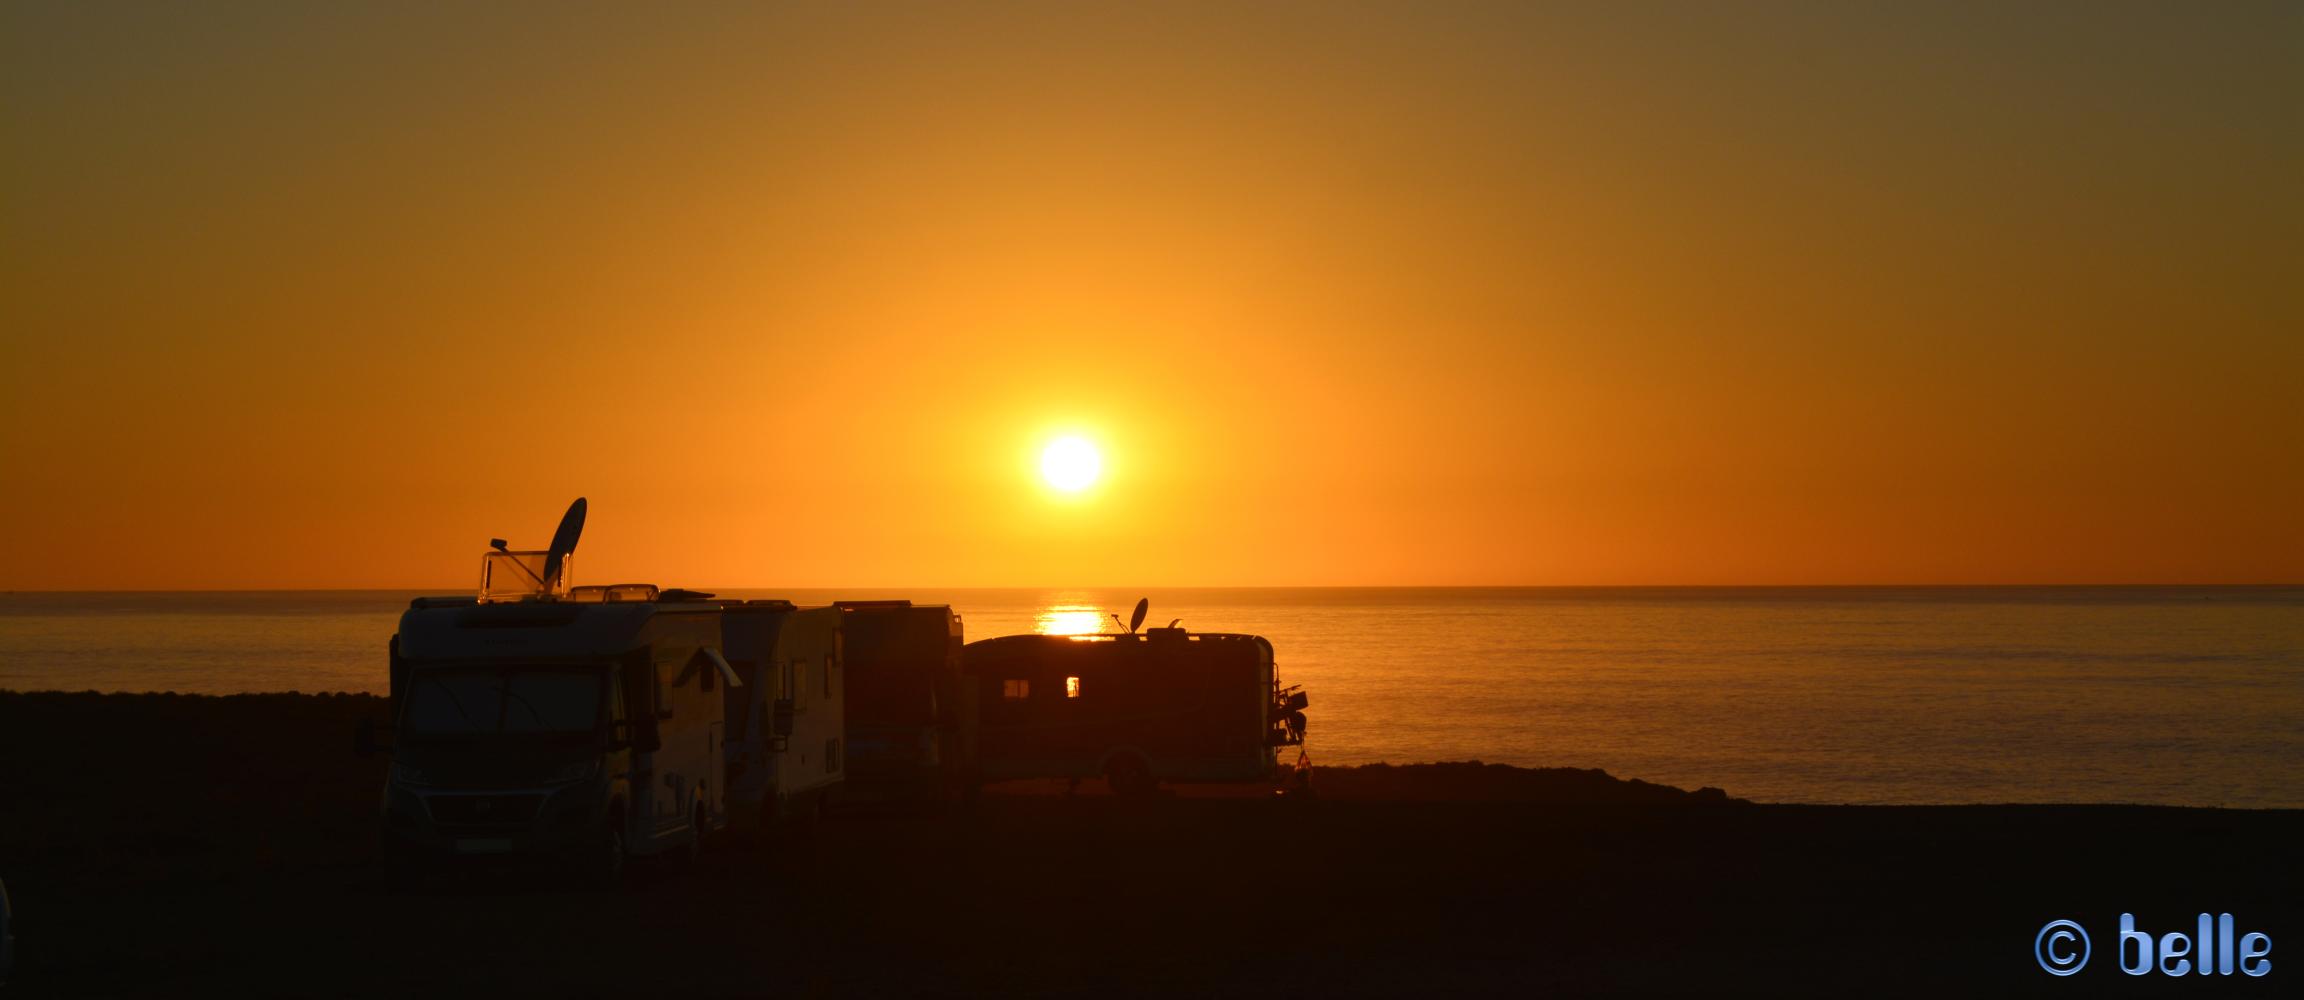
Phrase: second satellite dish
(564, 540)
(1136, 621)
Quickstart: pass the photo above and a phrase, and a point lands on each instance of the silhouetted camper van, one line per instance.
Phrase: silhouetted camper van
(1139, 708)
(585, 730)
(785, 733)
(911, 731)
(583, 724)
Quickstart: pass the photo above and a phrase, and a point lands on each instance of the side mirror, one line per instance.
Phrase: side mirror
(365, 740)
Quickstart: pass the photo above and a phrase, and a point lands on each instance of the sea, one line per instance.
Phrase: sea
(2182, 696)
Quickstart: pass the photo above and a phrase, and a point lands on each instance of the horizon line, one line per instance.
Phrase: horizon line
(452, 591)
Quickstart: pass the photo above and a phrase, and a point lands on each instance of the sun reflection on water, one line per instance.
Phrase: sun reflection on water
(1069, 619)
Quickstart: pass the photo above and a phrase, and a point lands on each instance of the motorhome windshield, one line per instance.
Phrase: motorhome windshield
(449, 702)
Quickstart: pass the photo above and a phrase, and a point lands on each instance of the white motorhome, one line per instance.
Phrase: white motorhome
(785, 738)
(581, 724)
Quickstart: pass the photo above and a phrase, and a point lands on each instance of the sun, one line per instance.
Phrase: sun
(1070, 464)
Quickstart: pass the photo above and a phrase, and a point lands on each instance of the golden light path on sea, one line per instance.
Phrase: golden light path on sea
(1069, 619)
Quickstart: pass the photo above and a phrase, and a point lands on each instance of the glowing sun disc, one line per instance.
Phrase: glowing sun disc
(1070, 464)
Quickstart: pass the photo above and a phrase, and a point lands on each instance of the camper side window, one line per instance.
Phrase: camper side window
(827, 675)
(1071, 687)
(664, 690)
(796, 674)
(1015, 690)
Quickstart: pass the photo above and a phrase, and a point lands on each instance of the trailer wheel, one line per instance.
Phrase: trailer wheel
(403, 870)
(607, 863)
(695, 849)
(1129, 776)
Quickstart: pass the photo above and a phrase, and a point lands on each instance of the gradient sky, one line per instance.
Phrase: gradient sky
(314, 295)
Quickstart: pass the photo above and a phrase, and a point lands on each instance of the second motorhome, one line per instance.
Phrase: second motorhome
(785, 739)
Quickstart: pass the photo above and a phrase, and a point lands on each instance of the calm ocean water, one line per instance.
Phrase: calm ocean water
(2169, 695)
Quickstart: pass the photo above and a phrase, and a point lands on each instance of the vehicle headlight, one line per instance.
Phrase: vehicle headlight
(582, 770)
(403, 774)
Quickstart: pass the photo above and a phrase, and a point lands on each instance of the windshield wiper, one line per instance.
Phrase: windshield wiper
(458, 702)
(510, 697)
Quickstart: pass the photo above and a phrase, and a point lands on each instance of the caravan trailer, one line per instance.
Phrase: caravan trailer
(785, 729)
(1137, 709)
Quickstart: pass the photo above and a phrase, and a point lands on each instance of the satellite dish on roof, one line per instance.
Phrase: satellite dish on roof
(1136, 621)
(564, 540)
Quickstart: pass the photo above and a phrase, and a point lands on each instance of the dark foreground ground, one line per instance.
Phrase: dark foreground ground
(169, 845)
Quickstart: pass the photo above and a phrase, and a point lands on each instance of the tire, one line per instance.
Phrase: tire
(694, 852)
(605, 869)
(403, 871)
(800, 837)
(1129, 777)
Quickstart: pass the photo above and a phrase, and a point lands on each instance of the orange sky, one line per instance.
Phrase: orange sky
(1348, 294)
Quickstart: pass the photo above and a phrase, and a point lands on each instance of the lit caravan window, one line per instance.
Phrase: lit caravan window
(1071, 687)
(1015, 690)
